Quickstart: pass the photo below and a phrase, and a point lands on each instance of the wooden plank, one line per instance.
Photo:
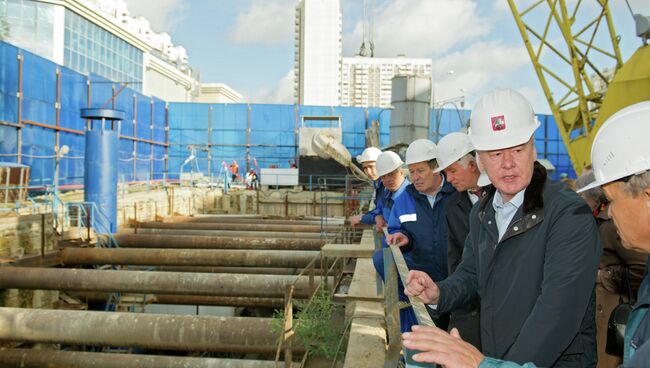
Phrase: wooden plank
(367, 343)
(363, 286)
(348, 250)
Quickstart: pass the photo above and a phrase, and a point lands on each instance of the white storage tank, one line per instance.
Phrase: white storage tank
(411, 101)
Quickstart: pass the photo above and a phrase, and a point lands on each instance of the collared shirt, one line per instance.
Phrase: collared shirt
(473, 198)
(432, 198)
(504, 212)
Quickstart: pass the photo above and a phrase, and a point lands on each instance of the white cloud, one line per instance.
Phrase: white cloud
(421, 28)
(282, 93)
(265, 22)
(477, 68)
(164, 15)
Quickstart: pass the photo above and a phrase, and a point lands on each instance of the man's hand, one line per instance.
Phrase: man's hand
(380, 223)
(398, 239)
(419, 284)
(439, 347)
(355, 220)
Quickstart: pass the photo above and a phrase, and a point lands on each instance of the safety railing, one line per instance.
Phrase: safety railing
(285, 340)
(88, 217)
(394, 267)
(351, 204)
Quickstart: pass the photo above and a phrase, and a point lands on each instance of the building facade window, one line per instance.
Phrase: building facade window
(28, 24)
(91, 49)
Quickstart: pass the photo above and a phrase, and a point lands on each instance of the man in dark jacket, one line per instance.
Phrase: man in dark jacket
(532, 252)
(456, 158)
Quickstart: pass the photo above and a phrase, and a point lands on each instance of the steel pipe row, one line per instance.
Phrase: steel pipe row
(150, 331)
(27, 358)
(181, 283)
(211, 242)
(187, 257)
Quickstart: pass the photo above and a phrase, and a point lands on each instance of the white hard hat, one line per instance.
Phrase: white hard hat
(369, 154)
(621, 147)
(387, 162)
(452, 148)
(483, 178)
(501, 119)
(420, 150)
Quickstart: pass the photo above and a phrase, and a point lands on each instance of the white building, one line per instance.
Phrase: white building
(218, 93)
(366, 82)
(318, 52)
(100, 37)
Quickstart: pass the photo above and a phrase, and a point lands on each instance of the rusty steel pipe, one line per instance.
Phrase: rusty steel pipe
(236, 226)
(151, 282)
(225, 301)
(230, 233)
(211, 242)
(150, 331)
(28, 358)
(236, 220)
(254, 270)
(187, 257)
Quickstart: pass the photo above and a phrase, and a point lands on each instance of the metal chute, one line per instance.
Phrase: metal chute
(327, 147)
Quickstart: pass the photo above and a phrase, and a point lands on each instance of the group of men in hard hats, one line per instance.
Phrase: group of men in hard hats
(483, 229)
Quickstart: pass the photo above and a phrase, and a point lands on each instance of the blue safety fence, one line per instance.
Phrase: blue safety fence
(254, 135)
(44, 99)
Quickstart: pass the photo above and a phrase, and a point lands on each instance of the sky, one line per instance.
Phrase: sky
(474, 44)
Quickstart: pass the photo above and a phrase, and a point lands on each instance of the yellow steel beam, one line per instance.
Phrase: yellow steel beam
(578, 108)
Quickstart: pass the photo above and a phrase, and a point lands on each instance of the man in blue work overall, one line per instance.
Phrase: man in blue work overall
(368, 161)
(532, 252)
(389, 169)
(418, 225)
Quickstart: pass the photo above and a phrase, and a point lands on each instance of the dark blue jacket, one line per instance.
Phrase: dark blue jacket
(369, 217)
(536, 284)
(637, 334)
(426, 228)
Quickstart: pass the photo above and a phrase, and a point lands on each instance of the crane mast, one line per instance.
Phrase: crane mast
(568, 56)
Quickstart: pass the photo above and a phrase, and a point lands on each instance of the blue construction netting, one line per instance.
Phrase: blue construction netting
(141, 148)
(254, 135)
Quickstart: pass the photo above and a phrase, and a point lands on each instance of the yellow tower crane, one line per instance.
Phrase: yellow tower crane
(575, 52)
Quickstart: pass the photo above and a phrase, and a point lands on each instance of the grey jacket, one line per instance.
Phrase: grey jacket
(536, 285)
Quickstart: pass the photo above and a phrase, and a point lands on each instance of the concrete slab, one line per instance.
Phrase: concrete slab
(364, 285)
(348, 250)
(367, 343)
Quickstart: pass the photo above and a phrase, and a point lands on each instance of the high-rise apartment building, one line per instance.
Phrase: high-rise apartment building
(366, 82)
(318, 53)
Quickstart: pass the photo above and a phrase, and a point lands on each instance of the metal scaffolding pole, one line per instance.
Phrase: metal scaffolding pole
(187, 257)
(150, 331)
(150, 282)
(211, 242)
(28, 358)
